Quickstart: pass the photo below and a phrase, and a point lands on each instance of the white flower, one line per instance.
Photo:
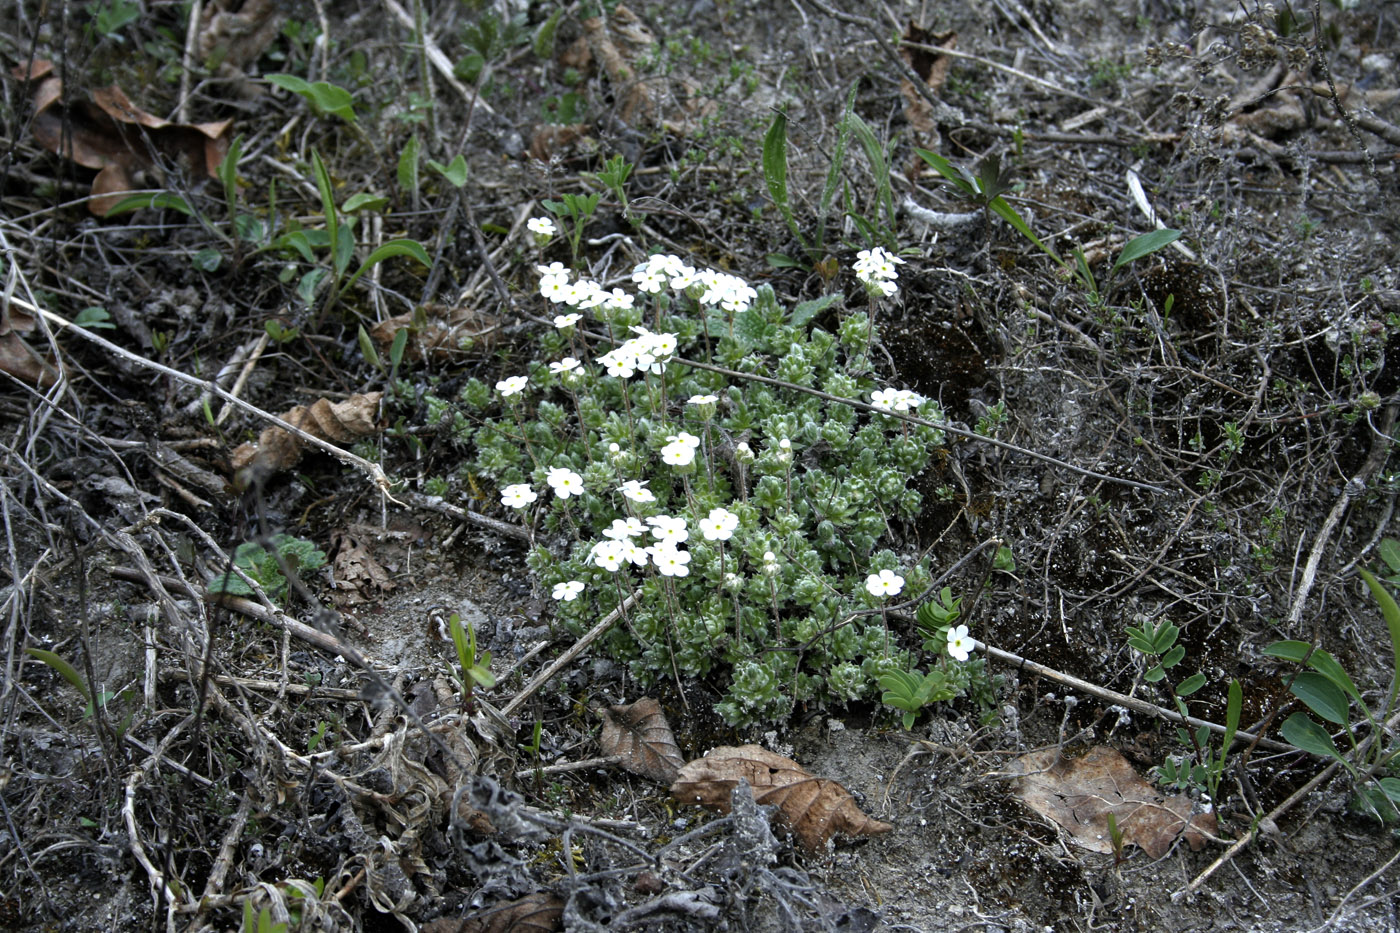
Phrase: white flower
(555, 287)
(686, 438)
(670, 560)
(564, 482)
(567, 365)
(591, 294)
(678, 454)
(668, 530)
(666, 264)
(607, 555)
(744, 451)
(959, 645)
(518, 496)
(663, 346)
(720, 525)
(904, 400)
(770, 563)
(566, 320)
(703, 400)
(648, 281)
(884, 583)
(634, 552)
(618, 300)
(512, 386)
(637, 491)
(883, 398)
(542, 226)
(623, 528)
(683, 278)
(553, 269)
(619, 363)
(568, 591)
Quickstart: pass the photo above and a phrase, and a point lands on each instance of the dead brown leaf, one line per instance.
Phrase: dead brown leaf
(340, 422)
(17, 357)
(1079, 793)
(640, 733)
(233, 33)
(813, 808)
(106, 131)
(929, 66)
(673, 102)
(536, 913)
(439, 333)
(359, 578)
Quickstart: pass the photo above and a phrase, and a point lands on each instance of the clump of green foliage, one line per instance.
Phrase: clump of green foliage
(265, 567)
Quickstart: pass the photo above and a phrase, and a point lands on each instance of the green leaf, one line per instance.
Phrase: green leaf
(1326, 665)
(408, 166)
(1233, 706)
(807, 310)
(879, 167)
(1289, 650)
(1301, 731)
(1154, 675)
(1007, 213)
(393, 248)
(397, 347)
(1145, 245)
(455, 171)
(344, 249)
(1391, 787)
(323, 97)
(323, 185)
(310, 282)
(775, 168)
(782, 261)
(368, 351)
(207, 259)
(228, 172)
(908, 720)
(1191, 684)
(1173, 657)
(364, 202)
(950, 174)
(1321, 696)
(94, 318)
(1391, 612)
(838, 158)
(67, 670)
(543, 45)
(159, 200)
(1389, 550)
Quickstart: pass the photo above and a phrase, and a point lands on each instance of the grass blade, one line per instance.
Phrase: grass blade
(63, 667)
(1145, 245)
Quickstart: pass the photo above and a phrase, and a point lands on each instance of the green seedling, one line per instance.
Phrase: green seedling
(474, 671)
(1205, 766)
(578, 210)
(266, 568)
(94, 318)
(936, 617)
(614, 177)
(101, 699)
(325, 99)
(911, 691)
(1389, 551)
(1329, 692)
(455, 171)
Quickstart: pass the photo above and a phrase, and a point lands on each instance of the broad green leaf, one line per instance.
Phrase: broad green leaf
(68, 672)
(1391, 787)
(1233, 706)
(290, 83)
(455, 171)
(158, 200)
(393, 248)
(1191, 684)
(207, 259)
(310, 282)
(344, 249)
(1389, 550)
(396, 348)
(94, 318)
(1289, 650)
(1391, 613)
(543, 45)
(1321, 696)
(782, 261)
(775, 169)
(1173, 657)
(368, 351)
(1326, 665)
(322, 96)
(364, 202)
(228, 172)
(805, 311)
(408, 166)
(1145, 245)
(1301, 731)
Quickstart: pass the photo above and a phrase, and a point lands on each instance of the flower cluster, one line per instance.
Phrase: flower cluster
(730, 292)
(644, 353)
(617, 550)
(876, 270)
(680, 449)
(582, 294)
(896, 399)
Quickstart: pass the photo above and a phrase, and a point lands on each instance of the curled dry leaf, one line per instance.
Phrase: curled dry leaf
(929, 66)
(107, 132)
(359, 578)
(439, 333)
(617, 43)
(640, 734)
(1079, 793)
(339, 422)
(17, 357)
(233, 33)
(813, 808)
(536, 913)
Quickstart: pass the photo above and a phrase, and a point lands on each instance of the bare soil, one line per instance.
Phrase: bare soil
(1219, 427)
